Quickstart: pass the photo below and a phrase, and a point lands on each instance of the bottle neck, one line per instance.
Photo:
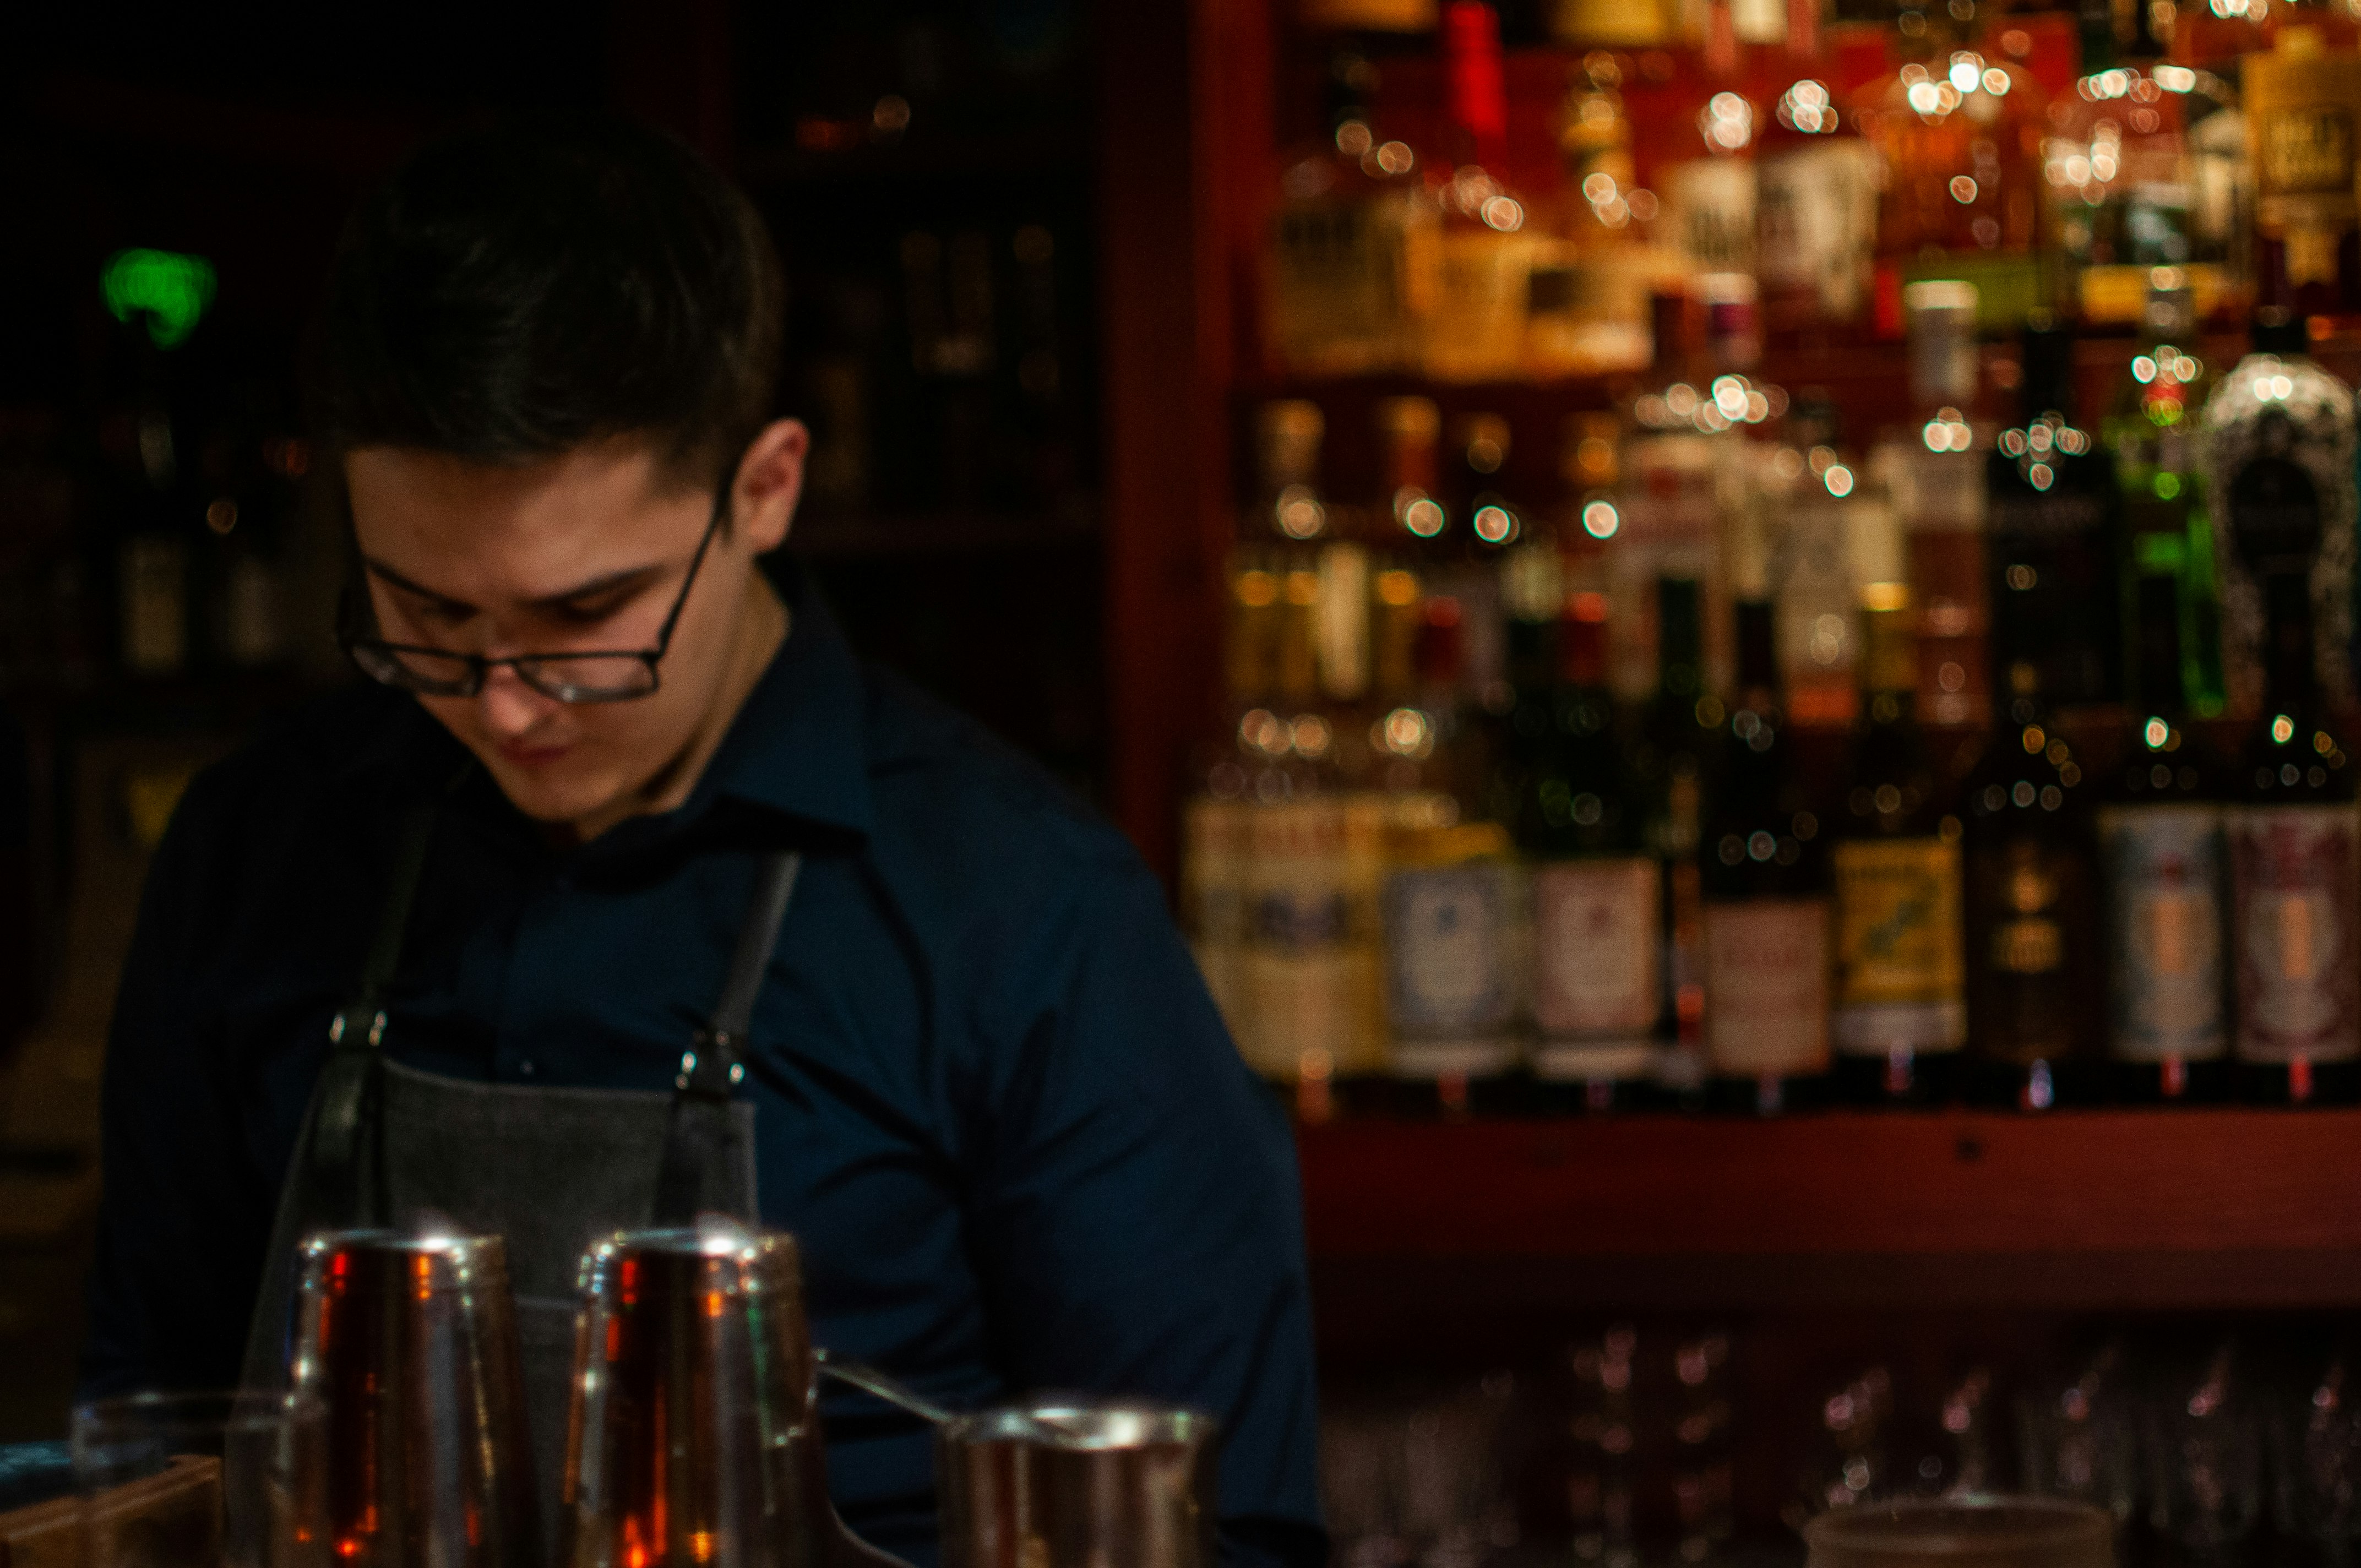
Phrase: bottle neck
(1758, 654)
(2048, 386)
(1582, 644)
(1679, 640)
(1890, 669)
(1476, 83)
(2161, 693)
(2289, 675)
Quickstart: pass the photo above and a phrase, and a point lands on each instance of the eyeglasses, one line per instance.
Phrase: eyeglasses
(595, 676)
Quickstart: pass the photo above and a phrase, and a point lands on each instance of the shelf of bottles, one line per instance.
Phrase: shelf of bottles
(1697, 638)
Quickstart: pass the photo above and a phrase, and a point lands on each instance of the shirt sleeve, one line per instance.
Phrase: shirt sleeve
(172, 1277)
(1139, 1211)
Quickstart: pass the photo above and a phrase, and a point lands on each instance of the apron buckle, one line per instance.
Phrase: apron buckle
(344, 1021)
(712, 1070)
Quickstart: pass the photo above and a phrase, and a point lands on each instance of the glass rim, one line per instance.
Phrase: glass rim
(191, 1409)
(1916, 1526)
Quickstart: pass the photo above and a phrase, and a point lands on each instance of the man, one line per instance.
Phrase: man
(990, 1096)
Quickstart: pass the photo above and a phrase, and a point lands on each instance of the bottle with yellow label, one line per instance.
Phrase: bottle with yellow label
(2303, 108)
(1900, 1015)
(2033, 976)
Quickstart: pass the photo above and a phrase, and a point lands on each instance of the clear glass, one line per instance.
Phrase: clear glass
(202, 1480)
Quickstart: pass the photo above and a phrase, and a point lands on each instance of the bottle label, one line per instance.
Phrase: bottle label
(2307, 150)
(1901, 972)
(2293, 875)
(1449, 941)
(2164, 867)
(1766, 980)
(1817, 218)
(1596, 931)
(1712, 201)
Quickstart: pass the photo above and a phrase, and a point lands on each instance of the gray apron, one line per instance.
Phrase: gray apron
(551, 1170)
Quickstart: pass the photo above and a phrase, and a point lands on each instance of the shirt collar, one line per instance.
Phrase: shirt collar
(800, 744)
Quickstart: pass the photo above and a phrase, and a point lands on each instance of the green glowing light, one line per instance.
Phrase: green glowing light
(2158, 551)
(170, 289)
(2168, 485)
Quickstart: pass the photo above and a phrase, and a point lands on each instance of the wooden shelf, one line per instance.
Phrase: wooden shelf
(2085, 1210)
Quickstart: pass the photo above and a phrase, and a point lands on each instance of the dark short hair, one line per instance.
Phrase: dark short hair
(518, 292)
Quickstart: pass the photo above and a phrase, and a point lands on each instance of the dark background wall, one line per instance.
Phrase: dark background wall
(928, 168)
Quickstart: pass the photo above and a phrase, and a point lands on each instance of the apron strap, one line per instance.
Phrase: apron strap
(341, 1158)
(700, 1145)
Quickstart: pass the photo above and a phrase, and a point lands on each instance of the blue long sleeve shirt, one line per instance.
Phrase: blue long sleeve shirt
(992, 1099)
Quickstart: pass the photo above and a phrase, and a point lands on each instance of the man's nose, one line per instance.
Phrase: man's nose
(510, 706)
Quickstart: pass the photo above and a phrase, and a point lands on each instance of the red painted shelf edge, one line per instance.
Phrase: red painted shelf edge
(1947, 1185)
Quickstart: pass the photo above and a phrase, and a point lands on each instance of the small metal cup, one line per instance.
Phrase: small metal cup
(1077, 1483)
(693, 1436)
(410, 1342)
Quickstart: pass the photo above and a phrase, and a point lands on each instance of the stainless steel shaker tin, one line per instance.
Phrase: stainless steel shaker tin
(1076, 1483)
(408, 1341)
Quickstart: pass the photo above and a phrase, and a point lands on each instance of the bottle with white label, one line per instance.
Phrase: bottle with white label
(2294, 862)
(2162, 867)
(1764, 876)
(1596, 991)
(1452, 908)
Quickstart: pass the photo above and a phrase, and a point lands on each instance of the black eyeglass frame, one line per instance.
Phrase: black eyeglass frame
(479, 667)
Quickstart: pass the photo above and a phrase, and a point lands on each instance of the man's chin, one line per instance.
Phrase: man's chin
(554, 795)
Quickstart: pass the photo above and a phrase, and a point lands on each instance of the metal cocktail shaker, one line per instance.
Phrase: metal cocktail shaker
(694, 1435)
(409, 1343)
(1077, 1483)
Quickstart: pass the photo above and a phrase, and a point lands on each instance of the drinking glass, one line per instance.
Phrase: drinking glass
(210, 1480)
(1963, 1532)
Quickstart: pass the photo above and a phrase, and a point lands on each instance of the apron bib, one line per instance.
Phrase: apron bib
(550, 1171)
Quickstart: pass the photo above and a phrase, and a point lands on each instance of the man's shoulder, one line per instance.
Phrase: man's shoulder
(335, 748)
(973, 803)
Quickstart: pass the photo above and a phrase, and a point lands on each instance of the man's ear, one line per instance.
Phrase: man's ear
(769, 482)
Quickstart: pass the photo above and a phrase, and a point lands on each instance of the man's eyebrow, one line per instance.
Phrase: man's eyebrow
(379, 568)
(629, 576)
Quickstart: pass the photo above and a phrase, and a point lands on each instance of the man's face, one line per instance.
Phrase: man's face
(583, 552)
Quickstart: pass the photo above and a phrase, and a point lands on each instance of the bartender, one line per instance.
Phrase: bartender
(619, 830)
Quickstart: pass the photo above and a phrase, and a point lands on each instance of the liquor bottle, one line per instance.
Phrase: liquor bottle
(2128, 165)
(1820, 512)
(1586, 306)
(2049, 513)
(1451, 945)
(2300, 109)
(1349, 229)
(1475, 314)
(1477, 490)
(1677, 747)
(1959, 136)
(1901, 1008)
(1764, 877)
(2161, 852)
(2033, 976)
(1934, 478)
(2279, 449)
(2152, 429)
(2294, 865)
(1595, 891)
(1816, 212)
